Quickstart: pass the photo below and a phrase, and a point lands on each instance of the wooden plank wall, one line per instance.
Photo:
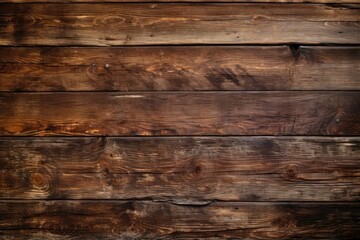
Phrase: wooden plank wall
(190, 119)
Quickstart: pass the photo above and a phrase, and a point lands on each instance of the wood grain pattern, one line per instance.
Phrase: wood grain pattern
(180, 68)
(175, 132)
(149, 220)
(154, 1)
(182, 169)
(180, 113)
(147, 24)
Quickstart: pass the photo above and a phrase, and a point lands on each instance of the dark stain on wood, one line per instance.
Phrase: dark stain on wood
(180, 68)
(200, 120)
(295, 51)
(180, 23)
(186, 169)
(328, 3)
(19, 21)
(146, 219)
(218, 78)
(169, 113)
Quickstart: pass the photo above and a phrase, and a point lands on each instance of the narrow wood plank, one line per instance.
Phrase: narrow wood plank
(180, 113)
(149, 220)
(182, 169)
(154, 1)
(147, 24)
(180, 68)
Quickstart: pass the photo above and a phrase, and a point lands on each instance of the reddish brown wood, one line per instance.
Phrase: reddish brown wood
(182, 113)
(149, 24)
(154, 1)
(181, 169)
(189, 183)
(179, 68)
(146, 219)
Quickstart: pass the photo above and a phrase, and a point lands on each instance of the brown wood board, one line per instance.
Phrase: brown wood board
(160, 220)
(182, 169)
(179, 68)
(194, 1)
(180, 113)
(180, 23)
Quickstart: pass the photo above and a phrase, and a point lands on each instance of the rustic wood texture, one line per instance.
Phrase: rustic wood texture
(180, 68)
(169, 1)
(180, 113)
(147, 24)
(236, 120)
(149, 220)
(182, 169)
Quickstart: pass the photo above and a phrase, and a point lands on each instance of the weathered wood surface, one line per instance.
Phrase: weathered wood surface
(149, 220)
(180, 68)
(180, 113)
(147, 24)
(154, 1)
(182, 169)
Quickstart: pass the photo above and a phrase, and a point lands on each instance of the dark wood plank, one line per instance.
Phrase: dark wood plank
(150, 220)
(154, 1)
(180, 113)
(147, 24)
(182, 169)
(180, 68)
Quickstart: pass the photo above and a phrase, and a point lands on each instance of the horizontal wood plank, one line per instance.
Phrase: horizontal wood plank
(180, 113)
(154, 1)
(149, 220)
(182, 169)
(180, 68)
(180, 23)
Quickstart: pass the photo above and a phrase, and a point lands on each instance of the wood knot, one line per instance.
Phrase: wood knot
(106, 171)
(39, 181)
(291, 171)
(198, 169)
(43, 184)
(256, 18)
(109, 176)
